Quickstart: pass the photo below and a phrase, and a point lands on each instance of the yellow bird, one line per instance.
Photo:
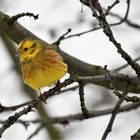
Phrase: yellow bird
(41, 65)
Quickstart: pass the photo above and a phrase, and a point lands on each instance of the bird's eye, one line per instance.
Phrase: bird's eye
(25, 49)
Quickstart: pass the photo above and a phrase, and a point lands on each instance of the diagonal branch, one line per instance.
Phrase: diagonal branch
(15, 107)
(17, 33)
(76, 66)
(107, 30)
(35, 132)
(111, 6)
(12, 119)
(115, 110)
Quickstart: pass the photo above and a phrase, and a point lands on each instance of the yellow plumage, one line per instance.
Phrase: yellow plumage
(40, 65)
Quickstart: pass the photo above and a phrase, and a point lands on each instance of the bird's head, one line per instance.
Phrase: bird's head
(28, 49)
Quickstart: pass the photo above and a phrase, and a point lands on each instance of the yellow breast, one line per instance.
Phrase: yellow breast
(43, 71)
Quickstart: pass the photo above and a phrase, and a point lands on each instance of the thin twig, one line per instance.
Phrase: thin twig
(111, 6)
(128, 9)
(12, 119)
(82, 33)
(62, 37)
(112, 24)
(16, 17)
(125, 19)
(112, 119)
(35, 132)
(124, 66)
(12, 108)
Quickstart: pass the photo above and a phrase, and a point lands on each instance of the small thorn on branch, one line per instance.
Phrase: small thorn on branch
(16, 17)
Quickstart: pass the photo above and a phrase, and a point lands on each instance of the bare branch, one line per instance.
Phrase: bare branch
(128, 9)
(82, 100)
(115, 111)
(75, 66)
(118, 80)
(15, 107)
(12, 119)
(62, 37)
(116, 92)
(111, 6)
(78, 116)
(124, 66)
(12, 19)
(107, 30)
(133, 99)
(12, 108)
(35, 132)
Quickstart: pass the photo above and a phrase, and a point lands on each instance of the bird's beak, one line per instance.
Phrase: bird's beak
(17, 54)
